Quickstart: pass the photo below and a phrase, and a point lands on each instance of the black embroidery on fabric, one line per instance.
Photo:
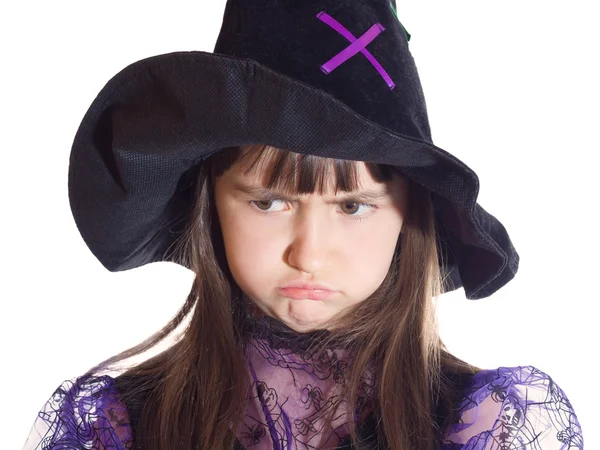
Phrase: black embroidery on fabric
(253, 435)
(534, 412)
(313, 401)
(532, 408)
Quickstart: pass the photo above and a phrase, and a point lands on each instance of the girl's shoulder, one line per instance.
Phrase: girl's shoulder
(507, 407)
(513, 407)
(83, 412)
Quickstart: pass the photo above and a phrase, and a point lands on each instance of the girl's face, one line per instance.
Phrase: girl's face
(271, 241)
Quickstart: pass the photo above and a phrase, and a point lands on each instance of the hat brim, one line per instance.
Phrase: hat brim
(158, 118)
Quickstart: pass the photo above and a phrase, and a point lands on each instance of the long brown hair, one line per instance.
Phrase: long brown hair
(195, 391)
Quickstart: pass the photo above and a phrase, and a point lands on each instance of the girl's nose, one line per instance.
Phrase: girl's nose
(310, 248)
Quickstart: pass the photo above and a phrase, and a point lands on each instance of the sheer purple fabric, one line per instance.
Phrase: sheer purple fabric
(504, 408)
(293, 389)
(291, 395)
(515, 408)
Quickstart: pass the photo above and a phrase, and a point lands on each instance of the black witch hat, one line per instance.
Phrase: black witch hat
(332, 78)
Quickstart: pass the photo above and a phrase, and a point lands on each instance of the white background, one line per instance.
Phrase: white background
(511, 89)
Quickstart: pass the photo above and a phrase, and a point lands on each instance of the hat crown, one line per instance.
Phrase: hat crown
(355, 50)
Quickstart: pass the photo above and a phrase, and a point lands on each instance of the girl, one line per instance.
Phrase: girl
(293, 172)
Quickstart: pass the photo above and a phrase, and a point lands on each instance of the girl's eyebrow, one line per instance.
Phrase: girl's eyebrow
(367, 195)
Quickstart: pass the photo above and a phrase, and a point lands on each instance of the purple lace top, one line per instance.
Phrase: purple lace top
(504, 408)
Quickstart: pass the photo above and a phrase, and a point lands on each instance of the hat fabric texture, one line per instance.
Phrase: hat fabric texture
(332, 78)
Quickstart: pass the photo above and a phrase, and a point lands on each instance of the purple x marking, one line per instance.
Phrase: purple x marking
(356, 46)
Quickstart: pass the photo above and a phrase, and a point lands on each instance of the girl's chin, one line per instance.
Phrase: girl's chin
(303, 323)
(299, 315)
(303, 327)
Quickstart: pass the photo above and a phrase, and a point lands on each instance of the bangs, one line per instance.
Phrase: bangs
(296, 173)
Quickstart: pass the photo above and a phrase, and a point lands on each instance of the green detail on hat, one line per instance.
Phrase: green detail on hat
(396, 14)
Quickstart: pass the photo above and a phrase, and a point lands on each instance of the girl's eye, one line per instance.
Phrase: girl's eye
(263, 203)
(349, 208)
(352, 207)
